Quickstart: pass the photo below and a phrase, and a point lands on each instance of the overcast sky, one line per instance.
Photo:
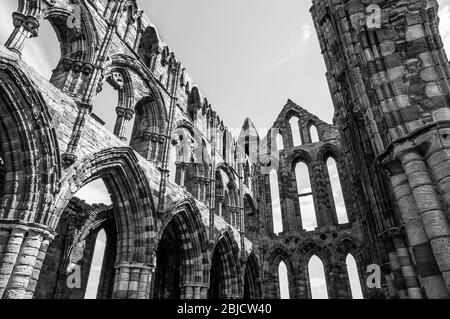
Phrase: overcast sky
(247, 56)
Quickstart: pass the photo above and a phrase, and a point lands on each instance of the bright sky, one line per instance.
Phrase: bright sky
(247, 56)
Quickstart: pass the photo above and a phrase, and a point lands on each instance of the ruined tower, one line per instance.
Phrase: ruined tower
(389, 79)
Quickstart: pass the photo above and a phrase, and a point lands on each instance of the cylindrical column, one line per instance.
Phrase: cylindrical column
(9, 257)
(408, 271)
(132, 280)
(120, 128)
(426, 266)
(434, 219)
(24, 27)
(21, 260)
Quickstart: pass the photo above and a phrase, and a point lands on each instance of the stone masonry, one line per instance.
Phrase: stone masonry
(192, 213)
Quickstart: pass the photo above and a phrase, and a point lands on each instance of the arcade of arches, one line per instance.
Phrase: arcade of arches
(192, 213)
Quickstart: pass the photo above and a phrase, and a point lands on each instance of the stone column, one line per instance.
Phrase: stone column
(422, 252)
(132, 280)
(220, 199)
(339, 282)
(123, 116)
(408, 271)
(191, 291)
(69, 156)
(24, 27)
(22, 252)
(428, 203)
(182, 167)
(391, 290)
(396, 270)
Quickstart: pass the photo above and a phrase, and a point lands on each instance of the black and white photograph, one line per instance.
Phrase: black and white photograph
(224, 157)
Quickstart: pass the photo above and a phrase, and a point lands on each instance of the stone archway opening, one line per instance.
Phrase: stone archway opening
(252, 282)
(84, 249)
(225, 272)
(169, 263)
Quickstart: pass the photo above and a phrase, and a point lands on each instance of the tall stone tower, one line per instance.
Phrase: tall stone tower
(389, 79)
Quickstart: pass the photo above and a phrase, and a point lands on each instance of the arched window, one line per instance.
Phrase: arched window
(295, 129)
(353, 276)
(317, 279)
(104, 108)
(279, 141)
(276, 205)
(96, 266)
(338, 196)
(314, 134)
(42, 53)
(283, 281)
(306, 198)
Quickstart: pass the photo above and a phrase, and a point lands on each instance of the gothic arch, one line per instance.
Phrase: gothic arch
(76, 44)
(148, 47)
(140, 74)
(26, 137)
(297, 156)
(348, 245)
(183, 233)
(304, 255)
(310, 248)
(149, 130)
(133, 202)
(74, 245)
(225, 273)
(279, 253)
(252, 279)
(328, 150)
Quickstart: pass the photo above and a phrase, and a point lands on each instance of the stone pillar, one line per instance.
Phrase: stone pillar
(391, 290)
(428, 203)
(132, 280)
(123, 116)
(220, 199)
(22, 252)
(191, 291)
(24, 27)
(339, 282)
(422, 252)
(396, 272)
(182, 167)
(69, 156)
(408, 271)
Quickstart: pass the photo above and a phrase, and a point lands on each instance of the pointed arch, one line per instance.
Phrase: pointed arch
(317, 278)
(294, 124)
(252, 278)
(133, 201)
(26, 137)
(354, 277)
(148, 48)
(314, 133)
(182, 255)
(149, 128)
(225, 282)
(277, 254)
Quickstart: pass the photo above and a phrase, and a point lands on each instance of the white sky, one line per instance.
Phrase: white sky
(248, 57)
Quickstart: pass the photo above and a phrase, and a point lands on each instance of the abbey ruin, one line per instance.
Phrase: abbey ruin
(192, 213)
